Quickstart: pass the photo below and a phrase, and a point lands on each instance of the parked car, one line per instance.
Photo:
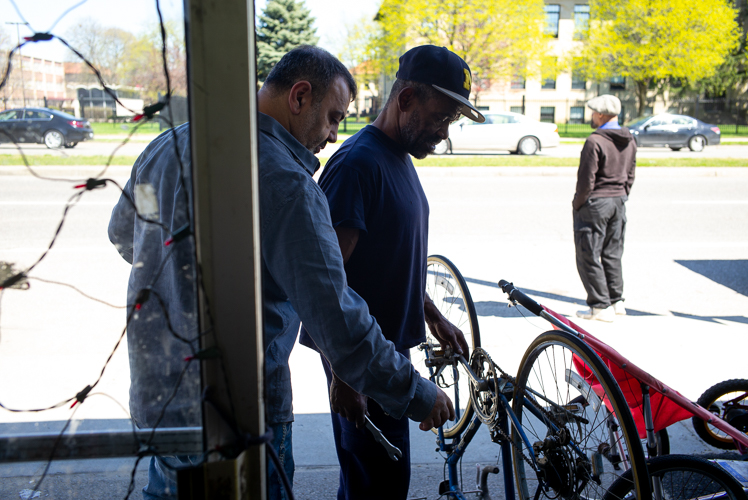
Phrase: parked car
(504, 131)
(674, 131)
(50, 127)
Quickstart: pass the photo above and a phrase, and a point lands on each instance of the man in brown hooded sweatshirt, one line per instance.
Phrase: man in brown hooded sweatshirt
(604, 180)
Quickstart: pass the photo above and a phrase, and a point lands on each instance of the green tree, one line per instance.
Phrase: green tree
(356, 53)
(145, 62)
(653, 41)
(499, 39)
(106, 48)
(283, 26)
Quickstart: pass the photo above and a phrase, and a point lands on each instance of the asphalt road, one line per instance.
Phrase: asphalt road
(105, 147)
(685, 266)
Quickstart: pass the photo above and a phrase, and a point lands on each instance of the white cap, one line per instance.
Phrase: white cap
(605, 104)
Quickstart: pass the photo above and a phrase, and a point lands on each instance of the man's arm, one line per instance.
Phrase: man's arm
(631, 171)
(586, 174)
(344, 400)
(443, 330)
(303, 255)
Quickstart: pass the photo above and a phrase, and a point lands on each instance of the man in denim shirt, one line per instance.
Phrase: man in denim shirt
(301, 104)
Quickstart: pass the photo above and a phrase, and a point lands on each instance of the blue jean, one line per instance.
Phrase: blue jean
(366, 471)
(162, 479)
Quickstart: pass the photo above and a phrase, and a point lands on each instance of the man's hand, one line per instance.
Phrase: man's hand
(440, 413)
(347, 402)
(444, 331)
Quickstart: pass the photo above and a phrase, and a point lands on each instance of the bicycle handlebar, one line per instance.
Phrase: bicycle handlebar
(517, 296)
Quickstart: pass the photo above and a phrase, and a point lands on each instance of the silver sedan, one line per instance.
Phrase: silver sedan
(504, 131)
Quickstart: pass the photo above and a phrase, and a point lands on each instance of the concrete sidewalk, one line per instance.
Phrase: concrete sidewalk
(686, 271)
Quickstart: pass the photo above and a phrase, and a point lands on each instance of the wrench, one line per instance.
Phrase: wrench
(392, 450)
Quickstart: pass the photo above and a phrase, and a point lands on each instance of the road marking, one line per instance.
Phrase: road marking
(58, 203)
(710, 202)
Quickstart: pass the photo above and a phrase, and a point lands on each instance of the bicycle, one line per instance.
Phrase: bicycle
(728, 401)
(566, 441)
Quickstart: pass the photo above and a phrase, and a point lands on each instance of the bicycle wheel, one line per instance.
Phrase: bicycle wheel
(449, 292)
(682, 477)
(580, 430)
(729, 401)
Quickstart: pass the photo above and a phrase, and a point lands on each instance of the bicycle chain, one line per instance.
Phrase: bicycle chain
(494, 428)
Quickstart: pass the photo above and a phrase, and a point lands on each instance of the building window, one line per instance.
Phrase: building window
(518, 82)
(581, 21)
(549, 84)
(578, 82)
(576, 114)
(618, 83)
(552, 15)
(548, 114)
(517, 109)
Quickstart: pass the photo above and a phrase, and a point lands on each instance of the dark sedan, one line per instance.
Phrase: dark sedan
(50, 127)
(675, 132)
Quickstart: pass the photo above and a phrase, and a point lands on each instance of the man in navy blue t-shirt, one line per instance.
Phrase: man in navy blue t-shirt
(381, 215)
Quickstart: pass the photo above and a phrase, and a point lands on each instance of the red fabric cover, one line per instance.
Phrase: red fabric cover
(664, 411)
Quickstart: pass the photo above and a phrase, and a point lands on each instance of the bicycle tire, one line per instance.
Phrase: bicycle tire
(713, 400)
(448, 290)
(682, 477)
(602, 439)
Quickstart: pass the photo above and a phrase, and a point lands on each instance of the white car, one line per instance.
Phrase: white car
(503, 131)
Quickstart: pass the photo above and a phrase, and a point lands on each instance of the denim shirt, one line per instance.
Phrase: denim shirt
(303, 280)
(156, 356)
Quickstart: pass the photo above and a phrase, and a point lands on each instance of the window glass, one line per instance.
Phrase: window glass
(518, 82)
(33, 115)
(576, 114)
(581, 20)
(549, 84)
(682, 120)
(548, 114)
(502, 119)
(578, 81)
(660, 121)
(552, 15)
(9, 115)
(618, 83)
(516, 109)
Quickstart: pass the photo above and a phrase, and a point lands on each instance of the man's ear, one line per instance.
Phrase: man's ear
(406, 99)
(299, 97)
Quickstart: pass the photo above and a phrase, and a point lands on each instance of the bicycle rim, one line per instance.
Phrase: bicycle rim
(449, 292)
(683, 477)
(577, 393)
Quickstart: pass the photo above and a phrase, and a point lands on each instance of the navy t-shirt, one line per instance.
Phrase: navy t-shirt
(372, 185)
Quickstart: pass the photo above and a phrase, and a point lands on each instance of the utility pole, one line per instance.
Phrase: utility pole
(20, 58)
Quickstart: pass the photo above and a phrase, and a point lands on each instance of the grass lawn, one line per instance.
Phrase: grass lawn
(41, 160)
(537, 161)
(124, 128)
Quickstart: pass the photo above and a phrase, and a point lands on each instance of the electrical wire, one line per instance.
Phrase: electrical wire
(174, 236)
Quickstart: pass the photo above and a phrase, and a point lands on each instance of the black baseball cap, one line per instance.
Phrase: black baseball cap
(445, 71)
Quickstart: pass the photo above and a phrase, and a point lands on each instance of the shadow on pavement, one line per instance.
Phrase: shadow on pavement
(712, 319)
(500, 309)
(730, 273)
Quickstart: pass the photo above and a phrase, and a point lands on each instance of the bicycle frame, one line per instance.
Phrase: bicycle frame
(459, 444)
(456, 449)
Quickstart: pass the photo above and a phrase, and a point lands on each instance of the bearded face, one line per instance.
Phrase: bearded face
(419, 139)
